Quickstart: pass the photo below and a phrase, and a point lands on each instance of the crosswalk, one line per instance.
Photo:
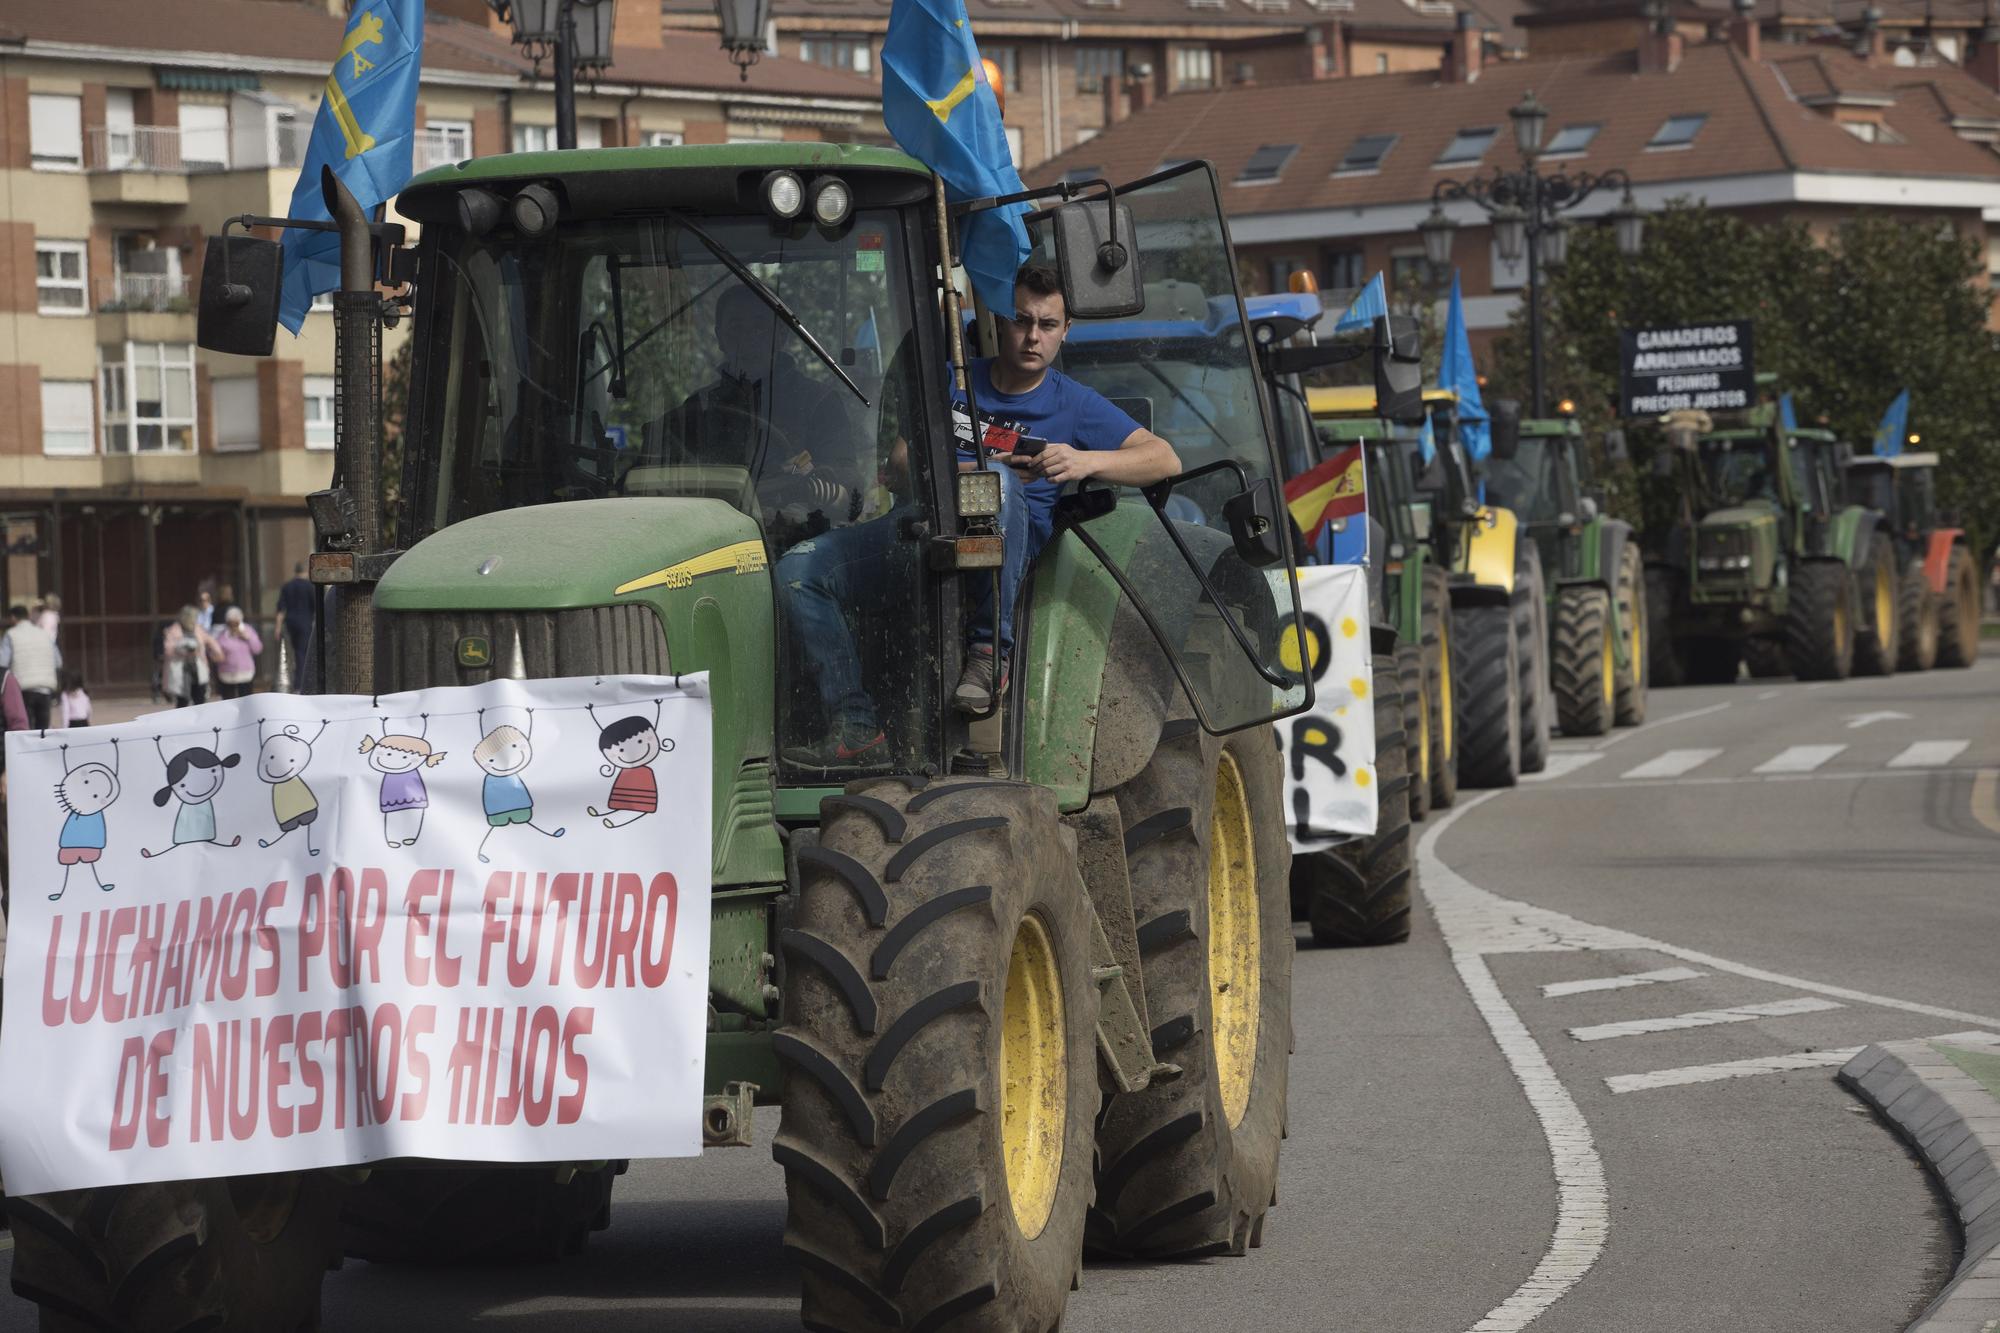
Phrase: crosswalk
(1711, 763)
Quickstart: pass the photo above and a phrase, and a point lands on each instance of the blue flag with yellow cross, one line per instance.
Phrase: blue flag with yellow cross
(937, 104)
(366, 131)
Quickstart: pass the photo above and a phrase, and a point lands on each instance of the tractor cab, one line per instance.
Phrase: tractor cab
(1902, 487)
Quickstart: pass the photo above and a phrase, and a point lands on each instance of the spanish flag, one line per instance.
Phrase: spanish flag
(1331, 490)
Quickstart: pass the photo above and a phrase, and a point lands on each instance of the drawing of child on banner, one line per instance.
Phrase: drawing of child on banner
(281, 758)
(399, 759)
(629, 747)
(84, 794)
(194, 776)
(501, 754)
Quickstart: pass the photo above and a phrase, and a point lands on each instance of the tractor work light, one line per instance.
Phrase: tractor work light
(479, 210)
(536, 210)
(783, 195)
(832, 201)
(979, 494)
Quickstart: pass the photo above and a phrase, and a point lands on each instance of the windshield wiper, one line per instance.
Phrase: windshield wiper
(769, 298)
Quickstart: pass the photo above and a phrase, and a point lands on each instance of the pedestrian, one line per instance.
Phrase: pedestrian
(28, 651)
(50, 615)
(204, 608)
(225, 598)
(240, 645)
(295, 613)
(75, 703)
(186, 655)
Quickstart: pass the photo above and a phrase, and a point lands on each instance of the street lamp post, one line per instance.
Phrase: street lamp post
(1525, 207)
(573, 33)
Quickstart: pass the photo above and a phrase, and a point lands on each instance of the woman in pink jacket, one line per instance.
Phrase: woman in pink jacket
(240, 645)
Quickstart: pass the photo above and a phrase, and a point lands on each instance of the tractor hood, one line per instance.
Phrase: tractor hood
(1756, 513)
(573, 554)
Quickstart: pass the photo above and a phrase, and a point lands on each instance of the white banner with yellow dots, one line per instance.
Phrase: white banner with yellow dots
(1329, 750)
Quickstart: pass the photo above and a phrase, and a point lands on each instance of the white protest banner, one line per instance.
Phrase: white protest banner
(288, 931)
(1330, 749)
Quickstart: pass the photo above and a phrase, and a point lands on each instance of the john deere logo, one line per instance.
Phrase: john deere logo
(475, 650)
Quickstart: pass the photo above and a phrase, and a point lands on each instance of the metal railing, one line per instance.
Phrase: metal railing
(134, 148)
(438, 148)
(148, 292)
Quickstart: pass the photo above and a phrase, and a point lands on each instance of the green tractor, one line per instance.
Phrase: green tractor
(1594, 574)
(1938, 592)
(1767, 566)
(1019, 982)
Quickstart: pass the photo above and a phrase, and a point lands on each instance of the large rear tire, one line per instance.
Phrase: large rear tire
(1415, 690)
(1876, 643)
(1819, 631)
(1917, 641)
(939, 1041)
(464, 1215)
(1635, 674)
(1531, 626)
(1189, 1166)
(1666, 656)
(246, 1254)
(1585, 659)
(1487, 668)
(1443, 701)
(1958, 612)
(1360, 892)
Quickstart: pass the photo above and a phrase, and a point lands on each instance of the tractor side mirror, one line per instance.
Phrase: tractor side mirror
(1506, 429)
(1615, 450)
(1099, 262)
(1252, 516)
(240, 278)
(1399, 369)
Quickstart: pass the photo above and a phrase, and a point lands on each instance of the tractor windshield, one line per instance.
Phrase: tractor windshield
(1531, 483)
(1738, 470)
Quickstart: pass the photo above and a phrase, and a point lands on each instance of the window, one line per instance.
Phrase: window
(1409, 280)
(542, 138)
(234, 402)
(1381, 62)
(1871, 131)
(67, 412)
(849, 53)
(1571, 140)
(1266, 164)
(204, 137)
(1194, 67)
(55, 132)
(1281, 273)
(1677, 131)
(1095, 64)
(319, 391)
(1009, 60)
(1344, 269)
(148, 398)
(1365, 154)
(443, 142)
(59, 278)
(1466, 146)
(664, 139)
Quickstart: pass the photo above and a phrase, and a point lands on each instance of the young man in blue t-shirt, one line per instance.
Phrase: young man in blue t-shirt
(1073, 433)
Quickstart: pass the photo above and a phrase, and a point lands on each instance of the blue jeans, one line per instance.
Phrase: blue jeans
(1024, 532)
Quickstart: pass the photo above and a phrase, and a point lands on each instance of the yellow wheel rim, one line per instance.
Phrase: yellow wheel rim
(1424, 737)
(1235, 963)
(1885, 602)
(1609, 668)
(1034, 1077)
(1839, 626)
(1636, 637)
(1447, 719)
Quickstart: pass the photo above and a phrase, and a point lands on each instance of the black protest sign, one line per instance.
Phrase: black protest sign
(1698, 367)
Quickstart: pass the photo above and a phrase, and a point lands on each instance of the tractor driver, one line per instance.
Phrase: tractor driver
(1075, 434)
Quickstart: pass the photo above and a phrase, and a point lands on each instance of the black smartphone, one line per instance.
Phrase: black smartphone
(1030, 445)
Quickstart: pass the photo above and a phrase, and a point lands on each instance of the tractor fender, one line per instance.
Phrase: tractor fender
(1137, 687)
(1489, 549)
(1937, 556)
(1853, 528)
(1466, 593)
(1615, 537)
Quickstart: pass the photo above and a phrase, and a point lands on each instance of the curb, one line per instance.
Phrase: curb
(1952, 1119)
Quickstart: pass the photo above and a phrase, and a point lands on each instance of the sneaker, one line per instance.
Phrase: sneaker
(851, 746)
(976, 686)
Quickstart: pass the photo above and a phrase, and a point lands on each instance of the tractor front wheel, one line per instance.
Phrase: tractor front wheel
(1958, 612)
(247, 1254)
(1634, 675)
(1585, 661)
(1531, 626)
(1487, 668)
(939, 1037)
(1819, 631)
(1415, 688)
(1666, 656)
(1188, 1166)
(1442, 703)
(1875, 637)
(1917, 640)
(1360, 891)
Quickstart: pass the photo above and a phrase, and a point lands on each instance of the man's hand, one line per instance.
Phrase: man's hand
(1058, 463)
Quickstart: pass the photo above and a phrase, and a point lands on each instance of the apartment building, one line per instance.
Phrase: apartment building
(134, 466)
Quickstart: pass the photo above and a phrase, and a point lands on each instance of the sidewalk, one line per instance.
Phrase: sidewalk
(1943, 1095)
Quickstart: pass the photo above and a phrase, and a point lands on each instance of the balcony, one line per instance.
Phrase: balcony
(138, 164)
(440, 148)
(145, 307)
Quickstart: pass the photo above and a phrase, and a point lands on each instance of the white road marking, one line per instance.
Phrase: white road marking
(1930, 754)
(1555, 989)
(1770, 1064)
(1769, 694)
(1799, 759)
(1860, 720)
(1841, 775)
(1625, 734)
(1672, 764)
(1562, 763)
(1704, 1018)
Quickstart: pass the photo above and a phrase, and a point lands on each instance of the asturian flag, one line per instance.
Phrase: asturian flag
(365, 131)
(938, 105)
(1895, 425)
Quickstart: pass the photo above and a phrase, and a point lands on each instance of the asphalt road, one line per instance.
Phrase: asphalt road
(1477, 1140)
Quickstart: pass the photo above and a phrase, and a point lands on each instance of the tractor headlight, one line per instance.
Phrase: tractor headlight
(832, 201)
(784, 195)
(978, 494)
